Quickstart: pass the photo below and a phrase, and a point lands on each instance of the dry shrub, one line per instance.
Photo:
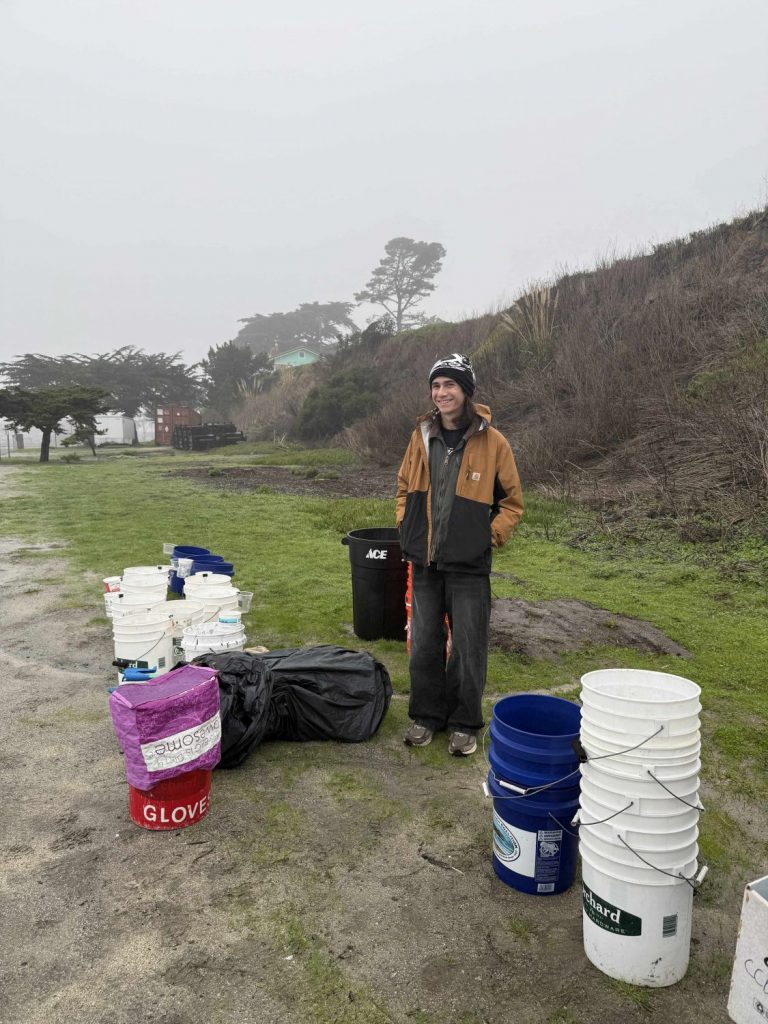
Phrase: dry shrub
(275, 411)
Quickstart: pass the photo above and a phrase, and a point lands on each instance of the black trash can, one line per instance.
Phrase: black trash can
(379, 580)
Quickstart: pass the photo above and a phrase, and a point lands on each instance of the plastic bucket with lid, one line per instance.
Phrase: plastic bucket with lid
(173, 803)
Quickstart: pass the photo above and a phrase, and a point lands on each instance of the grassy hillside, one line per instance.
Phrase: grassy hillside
(648, 374)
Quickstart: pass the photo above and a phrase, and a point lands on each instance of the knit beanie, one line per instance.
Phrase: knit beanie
(458, 368)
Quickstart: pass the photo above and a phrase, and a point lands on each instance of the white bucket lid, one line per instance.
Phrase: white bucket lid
(146, 570)
(207, 579)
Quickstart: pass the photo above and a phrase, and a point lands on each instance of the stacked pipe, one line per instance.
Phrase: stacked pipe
(638, 818)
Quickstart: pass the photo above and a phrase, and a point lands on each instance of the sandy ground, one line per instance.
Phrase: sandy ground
(327, 883)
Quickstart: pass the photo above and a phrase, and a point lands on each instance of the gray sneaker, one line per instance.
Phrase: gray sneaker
(418, 736)
(462, 744)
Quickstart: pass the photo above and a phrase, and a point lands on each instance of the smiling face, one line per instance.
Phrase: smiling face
(449, 398)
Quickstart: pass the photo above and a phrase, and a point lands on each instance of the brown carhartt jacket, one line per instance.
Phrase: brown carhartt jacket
(487, 504)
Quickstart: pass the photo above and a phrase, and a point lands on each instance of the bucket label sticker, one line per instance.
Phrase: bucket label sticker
(609, 917)
(533, 854)
(549, 843)
(182, 746)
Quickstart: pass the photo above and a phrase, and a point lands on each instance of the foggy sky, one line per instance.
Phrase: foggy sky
(171, 166)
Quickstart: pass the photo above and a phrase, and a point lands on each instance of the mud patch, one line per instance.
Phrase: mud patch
(546, 629)
(339, 482)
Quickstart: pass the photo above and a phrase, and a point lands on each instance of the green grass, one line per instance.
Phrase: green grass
(710, 598)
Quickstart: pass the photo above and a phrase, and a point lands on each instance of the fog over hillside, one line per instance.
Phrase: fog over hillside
(171, 168)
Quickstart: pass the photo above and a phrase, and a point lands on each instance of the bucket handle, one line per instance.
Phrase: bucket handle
(576, 820)
(694, 807)
(694, 882)
(600, 757)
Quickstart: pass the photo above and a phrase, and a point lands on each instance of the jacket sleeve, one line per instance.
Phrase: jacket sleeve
(403, 476)
(507, 496)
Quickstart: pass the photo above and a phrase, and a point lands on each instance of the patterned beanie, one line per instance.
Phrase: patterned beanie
(458, 368)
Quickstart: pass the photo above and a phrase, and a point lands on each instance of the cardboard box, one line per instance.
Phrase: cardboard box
(748, 1001)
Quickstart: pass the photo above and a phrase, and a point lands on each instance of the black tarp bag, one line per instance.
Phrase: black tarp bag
(245, 692)
(326, 693)
(313, 693)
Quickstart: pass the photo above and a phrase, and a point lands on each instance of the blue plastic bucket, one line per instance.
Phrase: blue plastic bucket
(531, 741)
(213, 563)
(534, 845)
(534, 781)
(175, 582)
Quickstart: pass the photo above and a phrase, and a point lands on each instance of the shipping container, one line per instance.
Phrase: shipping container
(170, 416)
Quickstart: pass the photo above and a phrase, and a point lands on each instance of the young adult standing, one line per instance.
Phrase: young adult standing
(458, 496)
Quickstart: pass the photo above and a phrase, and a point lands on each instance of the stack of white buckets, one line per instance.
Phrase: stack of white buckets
(153, 633)
(638, 818)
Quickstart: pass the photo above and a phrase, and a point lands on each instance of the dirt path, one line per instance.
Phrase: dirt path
(328, 883)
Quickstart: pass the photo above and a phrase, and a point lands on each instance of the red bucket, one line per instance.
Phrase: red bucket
(174, 803)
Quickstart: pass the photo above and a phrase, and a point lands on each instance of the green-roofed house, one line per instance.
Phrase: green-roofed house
(298, 355)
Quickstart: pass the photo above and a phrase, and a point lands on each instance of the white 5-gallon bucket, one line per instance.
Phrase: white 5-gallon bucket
(207, 579)
(144, 641)
(212, 638)
(640, 695)
(637, 931)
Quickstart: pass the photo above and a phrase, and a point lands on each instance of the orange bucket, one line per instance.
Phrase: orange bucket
(173, 803)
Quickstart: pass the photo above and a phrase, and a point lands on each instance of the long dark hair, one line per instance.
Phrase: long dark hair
(468, 413)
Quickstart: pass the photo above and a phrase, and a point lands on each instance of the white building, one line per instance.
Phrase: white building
(118, 430)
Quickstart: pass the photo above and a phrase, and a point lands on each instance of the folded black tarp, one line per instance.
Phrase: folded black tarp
(314, 693)
(245, 691)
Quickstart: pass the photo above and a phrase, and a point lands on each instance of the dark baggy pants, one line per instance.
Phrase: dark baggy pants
(448, 695)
